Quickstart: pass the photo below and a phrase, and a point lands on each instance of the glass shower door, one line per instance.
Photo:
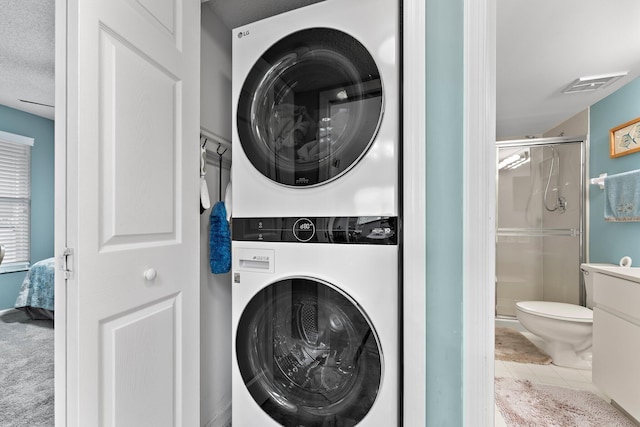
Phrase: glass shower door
(539, 223)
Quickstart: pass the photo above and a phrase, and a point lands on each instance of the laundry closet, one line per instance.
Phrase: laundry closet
(367, 206)
(215, 289)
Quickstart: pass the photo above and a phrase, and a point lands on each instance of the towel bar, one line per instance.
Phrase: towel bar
(599, 180)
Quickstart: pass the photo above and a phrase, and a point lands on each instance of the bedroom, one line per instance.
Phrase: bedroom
(26, 346)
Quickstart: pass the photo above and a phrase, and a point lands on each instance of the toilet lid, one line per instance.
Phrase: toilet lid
(557, 310)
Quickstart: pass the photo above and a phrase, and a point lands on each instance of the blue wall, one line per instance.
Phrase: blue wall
(610, 241)
(444, 209)
(42, 192)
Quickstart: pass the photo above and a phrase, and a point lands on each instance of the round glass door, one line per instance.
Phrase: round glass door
(310, 107)
(308, 355)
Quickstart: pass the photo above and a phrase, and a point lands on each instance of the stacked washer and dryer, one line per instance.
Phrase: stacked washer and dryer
(315, 229)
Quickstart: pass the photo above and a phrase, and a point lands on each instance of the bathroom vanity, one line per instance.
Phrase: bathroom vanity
(616, 335)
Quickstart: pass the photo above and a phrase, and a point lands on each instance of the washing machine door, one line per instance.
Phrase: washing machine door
(308, 355)
(310, 107)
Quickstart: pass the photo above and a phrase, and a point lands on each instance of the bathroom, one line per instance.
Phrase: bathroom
(550, 219)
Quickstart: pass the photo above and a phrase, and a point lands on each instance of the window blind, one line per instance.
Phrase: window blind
(15, 200)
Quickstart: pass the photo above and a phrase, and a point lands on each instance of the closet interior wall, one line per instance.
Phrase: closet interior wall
(215, 289)
(215, 315)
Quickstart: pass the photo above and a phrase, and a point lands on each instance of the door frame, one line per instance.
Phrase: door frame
(478, 265)
(479, 182)
(60, 209)
(414, 385)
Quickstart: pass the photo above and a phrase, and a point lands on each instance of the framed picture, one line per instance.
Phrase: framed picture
(625, 139)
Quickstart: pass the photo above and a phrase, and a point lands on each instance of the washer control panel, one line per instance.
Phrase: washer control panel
(371, 230)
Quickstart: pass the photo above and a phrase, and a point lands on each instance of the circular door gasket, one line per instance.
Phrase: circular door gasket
(310, 107)
(308, 355)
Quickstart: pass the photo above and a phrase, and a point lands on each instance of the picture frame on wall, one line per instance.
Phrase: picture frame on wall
(625, 139)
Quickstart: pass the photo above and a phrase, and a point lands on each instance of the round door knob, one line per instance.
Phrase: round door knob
(150, 274)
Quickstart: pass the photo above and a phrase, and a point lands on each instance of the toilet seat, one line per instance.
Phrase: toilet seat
(557, 310)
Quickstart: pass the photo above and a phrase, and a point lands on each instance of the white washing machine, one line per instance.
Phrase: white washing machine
(315, 111)
(315, 322)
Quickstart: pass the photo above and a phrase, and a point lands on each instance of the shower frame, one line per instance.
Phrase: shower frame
(580, 233)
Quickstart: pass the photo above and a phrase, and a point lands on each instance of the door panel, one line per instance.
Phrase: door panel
(139, 350)
(132, 120)
(138, 203)
(163, 12)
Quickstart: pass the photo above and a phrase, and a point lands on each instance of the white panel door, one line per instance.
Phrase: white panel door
(132, 209)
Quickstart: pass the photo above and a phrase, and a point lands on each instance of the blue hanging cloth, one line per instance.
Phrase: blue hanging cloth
(219, 231)
(219, 240)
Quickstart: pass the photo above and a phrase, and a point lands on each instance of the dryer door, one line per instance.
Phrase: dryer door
(308, 355)
(310, 107)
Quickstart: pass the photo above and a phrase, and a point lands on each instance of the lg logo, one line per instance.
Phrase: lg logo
(242, 34)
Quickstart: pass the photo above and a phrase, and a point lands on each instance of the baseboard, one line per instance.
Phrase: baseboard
(628, 415)
(501, 322)
(223, 419)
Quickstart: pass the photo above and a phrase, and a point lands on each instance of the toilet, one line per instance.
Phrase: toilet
(566, 329)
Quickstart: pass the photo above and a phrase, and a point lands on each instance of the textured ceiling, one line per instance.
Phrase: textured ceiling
(541, 47)
(27, 55)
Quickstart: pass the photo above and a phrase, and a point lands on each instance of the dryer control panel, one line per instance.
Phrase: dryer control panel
(367, 230)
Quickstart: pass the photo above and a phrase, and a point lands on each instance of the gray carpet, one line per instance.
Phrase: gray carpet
(26, 371)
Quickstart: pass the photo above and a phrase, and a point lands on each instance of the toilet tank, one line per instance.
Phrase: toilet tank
(587, 274)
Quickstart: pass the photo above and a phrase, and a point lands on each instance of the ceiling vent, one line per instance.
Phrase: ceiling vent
(589, 84)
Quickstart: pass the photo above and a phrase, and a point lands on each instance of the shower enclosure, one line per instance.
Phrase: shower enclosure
(540, 222)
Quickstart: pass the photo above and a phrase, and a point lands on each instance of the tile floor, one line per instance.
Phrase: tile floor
(544, 374)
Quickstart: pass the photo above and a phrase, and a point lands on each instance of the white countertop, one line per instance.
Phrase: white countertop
(627, 273)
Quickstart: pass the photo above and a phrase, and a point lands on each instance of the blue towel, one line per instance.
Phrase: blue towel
(622, 197)
(219, 240)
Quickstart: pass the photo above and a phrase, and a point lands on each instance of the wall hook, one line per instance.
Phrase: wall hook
(218, 150)
(220, 170)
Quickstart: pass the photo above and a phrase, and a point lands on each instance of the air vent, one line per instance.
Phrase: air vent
(589, 84)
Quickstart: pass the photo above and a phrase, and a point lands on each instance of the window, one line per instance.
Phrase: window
(15, 200)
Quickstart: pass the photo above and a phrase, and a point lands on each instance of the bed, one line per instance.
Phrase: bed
(37, 292)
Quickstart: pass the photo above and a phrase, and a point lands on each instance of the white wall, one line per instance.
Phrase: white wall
(215, 76)
(215, 324)
(577, 125)
(215, 291)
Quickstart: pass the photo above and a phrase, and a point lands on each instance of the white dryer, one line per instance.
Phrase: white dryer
(315, 322)
(315, 111)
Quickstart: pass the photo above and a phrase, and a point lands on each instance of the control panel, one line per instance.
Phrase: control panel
(368, 230)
